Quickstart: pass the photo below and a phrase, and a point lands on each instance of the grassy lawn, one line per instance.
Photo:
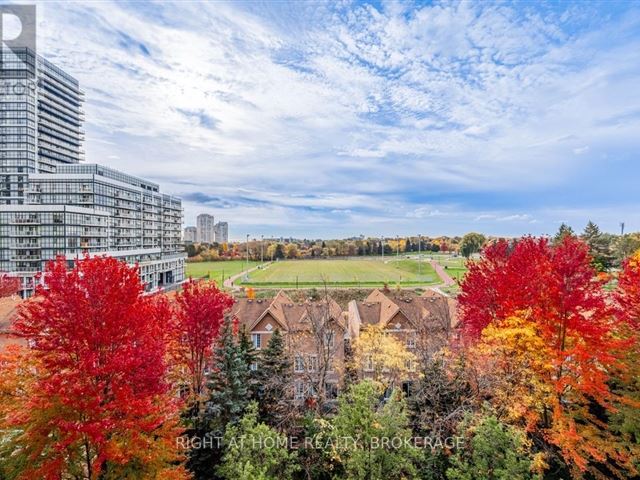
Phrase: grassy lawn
(216, 270)
(455, 267)
(344, 273)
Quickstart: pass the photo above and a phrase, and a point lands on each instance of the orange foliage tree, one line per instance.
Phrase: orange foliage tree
(98, 404)
(538, 315)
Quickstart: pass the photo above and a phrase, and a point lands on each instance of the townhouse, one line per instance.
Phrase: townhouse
(318, 334)
(314, 332)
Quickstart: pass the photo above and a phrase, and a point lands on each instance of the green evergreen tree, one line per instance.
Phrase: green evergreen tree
(494, 452)
(228, 382)
(274, 374)
(562, 232)
(250, 358)
(228, 398)
(599, 246)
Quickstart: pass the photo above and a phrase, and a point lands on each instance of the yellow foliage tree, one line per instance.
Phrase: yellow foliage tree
(516, 370)
(382, 357)
(515, 362)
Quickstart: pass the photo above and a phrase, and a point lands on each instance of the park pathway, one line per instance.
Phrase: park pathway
(447, 281)
(230, 282)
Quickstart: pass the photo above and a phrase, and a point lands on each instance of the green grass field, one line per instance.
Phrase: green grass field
(216, 270)
(455, 266)
(343, 273)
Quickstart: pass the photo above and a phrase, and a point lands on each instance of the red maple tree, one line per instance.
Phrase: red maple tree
(8, 285)
(558, 292)
(101, 404)
(560, 289)
(200, 311)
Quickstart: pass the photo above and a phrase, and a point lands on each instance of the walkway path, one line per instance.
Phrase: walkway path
(442, 273)
(230, 282)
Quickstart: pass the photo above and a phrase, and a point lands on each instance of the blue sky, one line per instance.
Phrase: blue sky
(335, 119)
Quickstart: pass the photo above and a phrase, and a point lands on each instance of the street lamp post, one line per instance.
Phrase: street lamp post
(261, 248)
(382, 247)
(247, 250)
(397, 246)
(419, 255)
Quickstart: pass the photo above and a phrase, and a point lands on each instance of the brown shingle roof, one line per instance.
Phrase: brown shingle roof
(369, 312)
(296, 314)
(249, 311)
(8, 307)
(417, 309)
(7, 312)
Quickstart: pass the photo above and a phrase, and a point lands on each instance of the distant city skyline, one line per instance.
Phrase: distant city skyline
(322, 120)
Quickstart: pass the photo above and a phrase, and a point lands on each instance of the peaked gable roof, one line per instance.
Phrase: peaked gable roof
(416, 309)
(388, 308)
(251, 311)
(8, 310)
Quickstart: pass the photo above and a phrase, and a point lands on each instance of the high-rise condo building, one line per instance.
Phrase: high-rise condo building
(40, 123)
(50, 204)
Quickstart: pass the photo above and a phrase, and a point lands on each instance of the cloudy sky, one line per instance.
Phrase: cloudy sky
(334, 119)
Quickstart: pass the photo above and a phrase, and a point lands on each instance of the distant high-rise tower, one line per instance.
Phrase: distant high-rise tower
(205, 228)
(222, 232)
(190, 234)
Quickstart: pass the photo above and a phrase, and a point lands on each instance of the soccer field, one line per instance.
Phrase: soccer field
(343, 273)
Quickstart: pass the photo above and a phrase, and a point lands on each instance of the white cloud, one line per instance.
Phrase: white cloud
(425, 212)
(359, 107)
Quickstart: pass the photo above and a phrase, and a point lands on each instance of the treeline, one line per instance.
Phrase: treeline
(278, 250)
(539, 379)
(608, 250)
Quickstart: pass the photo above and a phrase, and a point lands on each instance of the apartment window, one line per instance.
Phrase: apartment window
(368, 364)
(311, 390)
(331, 389)
(299, 390)
(298, 365)
(329, 339)
(409, 365)
(313, 363)
(257, 340)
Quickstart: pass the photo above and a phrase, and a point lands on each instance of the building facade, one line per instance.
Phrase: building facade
(221, 232)
(318, 334)
(205, 228)
(190, 234)
(50, 204)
